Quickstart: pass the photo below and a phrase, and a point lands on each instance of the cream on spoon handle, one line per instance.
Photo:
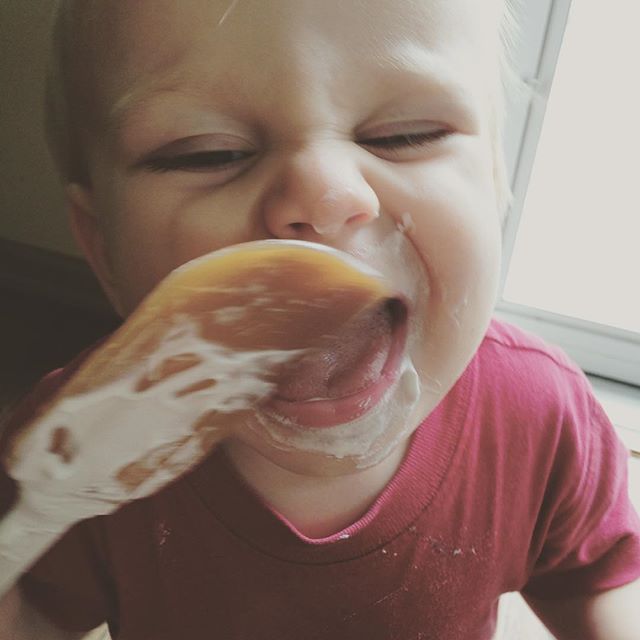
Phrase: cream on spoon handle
(24, 537)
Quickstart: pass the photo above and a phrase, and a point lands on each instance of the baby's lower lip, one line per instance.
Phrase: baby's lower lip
(330, 412)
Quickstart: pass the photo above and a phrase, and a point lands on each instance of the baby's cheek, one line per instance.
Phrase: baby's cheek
(457, 240)
(457, 235)
(205, 226)
(199, 220)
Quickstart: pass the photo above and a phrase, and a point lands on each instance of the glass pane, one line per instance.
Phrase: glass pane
(578, 246)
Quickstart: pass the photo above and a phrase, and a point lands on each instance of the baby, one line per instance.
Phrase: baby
(486, 466)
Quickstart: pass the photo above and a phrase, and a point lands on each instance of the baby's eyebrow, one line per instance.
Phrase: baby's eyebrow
(413, 67)
(399, 73)
(156, 88)
(460, 102)
(137, 97)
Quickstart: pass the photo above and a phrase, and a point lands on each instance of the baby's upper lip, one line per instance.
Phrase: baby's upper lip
(403, 291)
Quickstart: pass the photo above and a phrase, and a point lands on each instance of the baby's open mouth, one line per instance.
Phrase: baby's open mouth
(348, 375)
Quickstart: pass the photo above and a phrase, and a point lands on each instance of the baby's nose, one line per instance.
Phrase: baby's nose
(320, 194)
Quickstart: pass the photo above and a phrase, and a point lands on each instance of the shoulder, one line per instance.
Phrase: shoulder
(505, 344)
(531, 395)
(524, 371)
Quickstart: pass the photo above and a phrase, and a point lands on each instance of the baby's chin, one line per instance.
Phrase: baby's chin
(343, 448)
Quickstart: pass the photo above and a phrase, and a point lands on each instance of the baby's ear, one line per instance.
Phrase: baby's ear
(90, 237)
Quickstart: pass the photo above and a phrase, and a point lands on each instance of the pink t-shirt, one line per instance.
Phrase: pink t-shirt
(516, 482)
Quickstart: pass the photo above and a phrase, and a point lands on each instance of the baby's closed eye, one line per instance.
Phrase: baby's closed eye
(214, 160)
(406, 141)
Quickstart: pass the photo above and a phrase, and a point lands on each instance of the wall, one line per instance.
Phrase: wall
(51, 306)
(31, 202)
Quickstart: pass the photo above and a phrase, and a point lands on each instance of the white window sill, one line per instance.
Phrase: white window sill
(622, 404)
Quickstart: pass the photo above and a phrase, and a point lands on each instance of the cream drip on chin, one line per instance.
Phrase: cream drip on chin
(365, 440)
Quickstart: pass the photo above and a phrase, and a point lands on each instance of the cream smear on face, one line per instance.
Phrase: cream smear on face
(372, 436)
(364, 438)
(135, 425)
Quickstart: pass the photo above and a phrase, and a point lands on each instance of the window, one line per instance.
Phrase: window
(572, 242)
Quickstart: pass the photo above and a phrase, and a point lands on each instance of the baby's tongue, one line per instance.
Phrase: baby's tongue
(348, 363)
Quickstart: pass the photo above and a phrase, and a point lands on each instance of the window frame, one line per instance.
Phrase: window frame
(598, 349)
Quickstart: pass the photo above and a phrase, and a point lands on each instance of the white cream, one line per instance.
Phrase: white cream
(23, 538)
(363, 438)
(366, 438)
(229, 315)
(406, 224)
(133, 425)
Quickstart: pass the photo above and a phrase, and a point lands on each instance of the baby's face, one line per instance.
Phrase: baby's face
(363, 126)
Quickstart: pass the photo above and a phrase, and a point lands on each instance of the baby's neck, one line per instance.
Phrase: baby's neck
(316, 506)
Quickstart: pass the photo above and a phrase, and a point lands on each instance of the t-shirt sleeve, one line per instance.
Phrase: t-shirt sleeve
(587, 538)
(70, 582)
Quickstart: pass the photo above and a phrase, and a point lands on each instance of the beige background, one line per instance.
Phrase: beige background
(31, 202)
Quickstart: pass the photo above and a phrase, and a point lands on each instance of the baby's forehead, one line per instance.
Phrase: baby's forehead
(138, 43)
(141, 24)
(271, 61)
